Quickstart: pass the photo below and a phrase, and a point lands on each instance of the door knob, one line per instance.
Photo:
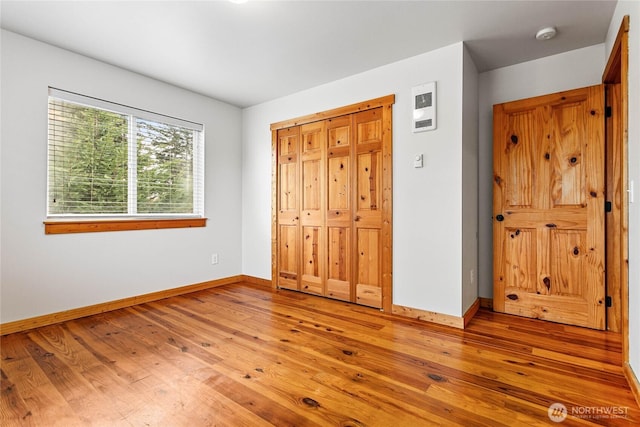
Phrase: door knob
(500, 217)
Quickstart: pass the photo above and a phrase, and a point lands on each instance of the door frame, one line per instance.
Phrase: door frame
(386, 102)
(616, 141)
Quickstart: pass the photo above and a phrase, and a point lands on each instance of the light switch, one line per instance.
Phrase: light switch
(417, 161)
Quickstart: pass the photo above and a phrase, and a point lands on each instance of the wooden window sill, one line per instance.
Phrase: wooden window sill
(99, 225)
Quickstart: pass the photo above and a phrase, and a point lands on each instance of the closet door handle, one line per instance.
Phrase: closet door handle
(357, 218)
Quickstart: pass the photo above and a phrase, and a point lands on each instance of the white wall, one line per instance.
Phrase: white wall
(570, 70)
(45, 274)
(469, 182)
(427, 202)
(632, 8)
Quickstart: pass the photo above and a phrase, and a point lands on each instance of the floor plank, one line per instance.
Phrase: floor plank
(240, 355)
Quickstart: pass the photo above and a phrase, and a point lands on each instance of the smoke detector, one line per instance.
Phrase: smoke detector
(546, 33)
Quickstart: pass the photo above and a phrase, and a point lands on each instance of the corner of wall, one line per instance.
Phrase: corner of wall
(470, 134)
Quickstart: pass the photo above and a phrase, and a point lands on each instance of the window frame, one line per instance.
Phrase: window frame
(65, 226)
(83, 223)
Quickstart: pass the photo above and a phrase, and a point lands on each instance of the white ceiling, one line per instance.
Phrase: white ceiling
(250, 53)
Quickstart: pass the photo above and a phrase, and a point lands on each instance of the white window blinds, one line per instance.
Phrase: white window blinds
(106, 159)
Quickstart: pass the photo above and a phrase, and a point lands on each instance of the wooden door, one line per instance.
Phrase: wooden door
(367, 159)
(549, 246)
(288, 219)
(331, 203)
(312, 209)
(339, 208)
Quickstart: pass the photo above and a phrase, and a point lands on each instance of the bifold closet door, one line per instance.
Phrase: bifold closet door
(288, 222)
(331, 203)
(339, 209)
(367, 221)
(313, 228)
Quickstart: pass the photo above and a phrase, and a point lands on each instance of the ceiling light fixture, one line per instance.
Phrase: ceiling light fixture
(546, 33)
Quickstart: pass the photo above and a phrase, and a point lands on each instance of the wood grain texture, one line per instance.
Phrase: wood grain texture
(51, 318)
(549, 188)
(275, 229)
(336, 112)
(288, 237)
(616, 74)
(624, 177)
(613, 69)
(313, 208)
(368, 129)
(438, 318)
(101, 225)
(470, 313)
(486, 303)
(255, 281)
(615, 187)
(332, 203)
(386, 227)
(239, 355)
(632, 380)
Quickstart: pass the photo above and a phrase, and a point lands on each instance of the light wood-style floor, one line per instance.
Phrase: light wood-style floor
(239, 355)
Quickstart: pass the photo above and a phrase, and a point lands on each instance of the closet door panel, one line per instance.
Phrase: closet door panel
(288, 187)
(312, 264)
(339, 170)
(313, 160)
(288, 227)
(339, 263)
(339, 214)
(338, 197)
(311, 185)
(367, 219)
(369, 186)
(339, 132)
(368, 290)
(288, 199)
(288, 256)
(312, 214)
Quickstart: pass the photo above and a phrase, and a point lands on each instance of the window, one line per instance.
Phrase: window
(107, 160)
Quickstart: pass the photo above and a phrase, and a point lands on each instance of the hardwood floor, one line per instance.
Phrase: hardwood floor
(239, 355)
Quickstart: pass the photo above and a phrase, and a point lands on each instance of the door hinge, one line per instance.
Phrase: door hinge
(607, 111)
(607, 301)
(607, 206)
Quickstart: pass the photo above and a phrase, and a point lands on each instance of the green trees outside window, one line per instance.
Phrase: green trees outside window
(108, 163)
(165, 168)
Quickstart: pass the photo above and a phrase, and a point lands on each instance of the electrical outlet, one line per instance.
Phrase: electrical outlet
(214, 258)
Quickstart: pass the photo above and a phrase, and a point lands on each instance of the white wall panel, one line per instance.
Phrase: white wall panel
(427, 202)
(45, 274)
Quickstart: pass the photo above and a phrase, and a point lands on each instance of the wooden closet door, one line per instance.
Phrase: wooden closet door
(367, 185)
(288, 224)
(313, 208)
(331, 203)
(339, 217)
